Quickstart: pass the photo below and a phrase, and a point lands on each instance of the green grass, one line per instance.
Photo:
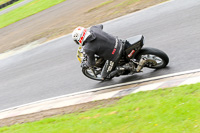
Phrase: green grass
(172, 110)
(3, 1)
(26, 10)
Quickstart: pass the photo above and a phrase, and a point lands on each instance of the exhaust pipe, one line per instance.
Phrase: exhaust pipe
(141, 64)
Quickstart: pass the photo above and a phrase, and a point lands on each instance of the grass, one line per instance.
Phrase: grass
(3, 1)
(26, 10)
(172, 110)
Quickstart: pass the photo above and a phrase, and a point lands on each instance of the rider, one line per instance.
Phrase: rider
(98, 42)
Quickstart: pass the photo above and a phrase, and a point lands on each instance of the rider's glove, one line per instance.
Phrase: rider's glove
(84, 64)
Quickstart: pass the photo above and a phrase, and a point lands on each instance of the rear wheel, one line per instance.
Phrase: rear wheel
(155, 58)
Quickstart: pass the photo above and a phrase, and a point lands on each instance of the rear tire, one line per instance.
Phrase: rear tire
(156, 58)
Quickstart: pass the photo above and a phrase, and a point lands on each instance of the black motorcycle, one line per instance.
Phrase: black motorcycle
(135, 57)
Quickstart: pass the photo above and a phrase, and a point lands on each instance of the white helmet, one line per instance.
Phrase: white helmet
(79, 35)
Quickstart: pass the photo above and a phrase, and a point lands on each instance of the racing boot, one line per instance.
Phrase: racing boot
(115, 73)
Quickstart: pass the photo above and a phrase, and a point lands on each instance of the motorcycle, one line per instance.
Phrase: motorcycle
(135, 56)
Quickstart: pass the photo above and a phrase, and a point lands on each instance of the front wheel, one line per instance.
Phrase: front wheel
(92, 73)
(155, 58)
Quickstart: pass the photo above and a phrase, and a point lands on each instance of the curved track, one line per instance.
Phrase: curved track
(52, 69)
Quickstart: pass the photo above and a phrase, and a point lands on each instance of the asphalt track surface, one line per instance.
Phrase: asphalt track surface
(52, 69)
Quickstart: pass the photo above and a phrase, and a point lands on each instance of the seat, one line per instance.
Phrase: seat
(135, 39)
(133, 46)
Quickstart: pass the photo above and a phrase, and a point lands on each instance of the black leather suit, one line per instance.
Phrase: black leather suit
(105, 46)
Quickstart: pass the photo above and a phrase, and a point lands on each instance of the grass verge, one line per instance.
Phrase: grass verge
(172, 110)
(3, 1)
(26, 10)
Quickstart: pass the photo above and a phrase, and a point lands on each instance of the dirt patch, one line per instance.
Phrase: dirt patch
(63, 18)
(59, 111)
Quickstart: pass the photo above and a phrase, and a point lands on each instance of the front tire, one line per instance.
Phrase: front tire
(88, 73)
(156, 58)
